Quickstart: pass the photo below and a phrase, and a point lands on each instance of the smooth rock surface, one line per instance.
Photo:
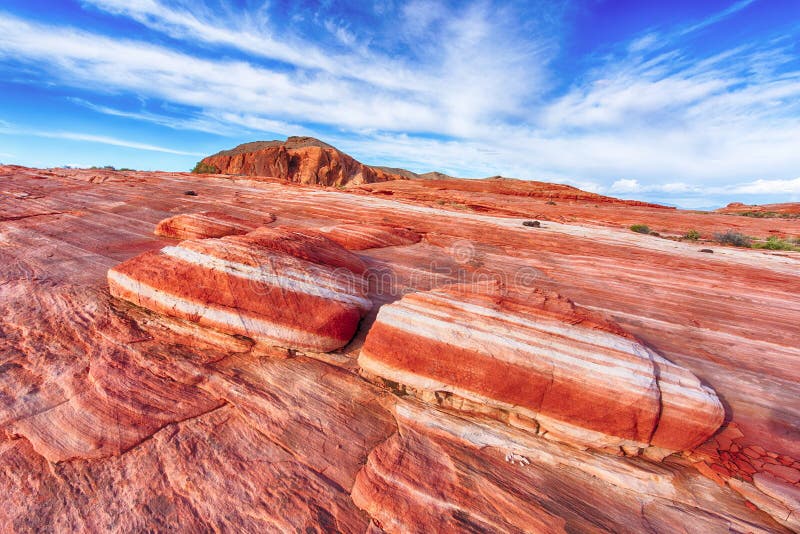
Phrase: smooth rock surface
(466, 474)
(363, 236)
(241, 285)
(208, 224)
(293, 443)
(538, 356)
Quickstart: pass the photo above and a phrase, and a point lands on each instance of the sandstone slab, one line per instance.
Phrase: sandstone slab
(365, 236)
(576, 375)
(208, 224)
(242, 285)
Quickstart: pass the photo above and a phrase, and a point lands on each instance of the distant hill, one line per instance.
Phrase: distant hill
(298, 159)
(308, 160)
(305, 160)
(765, 211)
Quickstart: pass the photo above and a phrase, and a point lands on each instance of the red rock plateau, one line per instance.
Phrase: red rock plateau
(788, 209)
(298, 159)
(402, 356)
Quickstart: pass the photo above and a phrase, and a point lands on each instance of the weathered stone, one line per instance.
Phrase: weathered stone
(579, 377)
(241, 285)
(208, 224)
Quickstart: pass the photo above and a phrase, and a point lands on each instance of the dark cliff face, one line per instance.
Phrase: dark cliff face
(298, 159)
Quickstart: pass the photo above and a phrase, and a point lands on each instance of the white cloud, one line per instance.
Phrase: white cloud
(717, 17)
(91, 138)
(446, 95)
(625, 186)
(472, 51)
(105, 140)
(768, 187)
(645, 42)
(342, 34)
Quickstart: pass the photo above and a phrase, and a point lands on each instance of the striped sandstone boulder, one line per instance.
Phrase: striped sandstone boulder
(541, 363)
(208, 224)
(363, 236)
(276, 287)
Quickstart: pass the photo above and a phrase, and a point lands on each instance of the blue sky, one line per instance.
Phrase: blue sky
(683, 102)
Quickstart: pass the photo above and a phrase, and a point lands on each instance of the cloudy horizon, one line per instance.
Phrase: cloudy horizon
(690, 104)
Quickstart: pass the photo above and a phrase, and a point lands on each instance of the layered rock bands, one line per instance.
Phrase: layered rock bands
(577, 376)
(208, 224)
(275, 286)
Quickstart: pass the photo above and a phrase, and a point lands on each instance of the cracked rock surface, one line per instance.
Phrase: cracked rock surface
(122, 418)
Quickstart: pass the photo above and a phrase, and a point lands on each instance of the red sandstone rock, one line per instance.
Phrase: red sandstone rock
(362, 236)
(709, 472)
(787, 494)
(752, 453)
(208, 224)
(476, 475)
(240, 285)
(767, 501)
(790, 209)
(298, 159)
(308, 245)
(127, 387)
(788, 474)
(575, 375)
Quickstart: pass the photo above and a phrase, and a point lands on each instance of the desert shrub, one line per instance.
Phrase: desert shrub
(776, 243)
(769, 215)
(204, 168)
(534, 224)
(732, 237)
(640, 228)
(654, 233)
(692, 235)
(759, 214)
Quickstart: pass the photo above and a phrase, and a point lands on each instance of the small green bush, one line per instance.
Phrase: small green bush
(768, 215)
(759, 214)
(692, 235)
(640, 228)
(204, 168)
(732, 237)
(776, 243)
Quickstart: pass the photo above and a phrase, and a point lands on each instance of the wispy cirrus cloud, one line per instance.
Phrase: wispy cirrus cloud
(452, 61)
(425, 103)
(717, 17)
(8, 129)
